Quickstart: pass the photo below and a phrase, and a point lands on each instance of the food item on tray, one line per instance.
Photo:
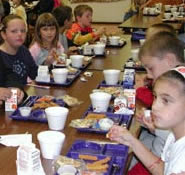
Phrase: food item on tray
(45, 99)
(57, 58)
(43, 105)
(82, 123)
(87, 157)
(95, 116)
(115, 91)
(99, 162)
(99, 168)
(70, 101)
(72, 70)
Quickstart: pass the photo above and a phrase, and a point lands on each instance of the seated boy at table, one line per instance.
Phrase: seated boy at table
(64, 17)
(81, 31)
(160, 53)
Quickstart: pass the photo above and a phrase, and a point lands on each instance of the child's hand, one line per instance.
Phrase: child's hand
(4, 94)
(140, 115)
(50, 59)
(120, 135)
(72, 50)
(148, 122)
(100, 31)
(20, 95)
(183, 173)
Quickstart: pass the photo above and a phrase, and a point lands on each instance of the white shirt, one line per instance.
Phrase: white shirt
(174, 155)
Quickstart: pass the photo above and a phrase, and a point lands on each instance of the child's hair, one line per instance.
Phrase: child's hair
(62, 13)
(1, 9)
(81, 9)
(160, 27)
(5, 22)
(172, 75)
(162, 43)
(45, 20)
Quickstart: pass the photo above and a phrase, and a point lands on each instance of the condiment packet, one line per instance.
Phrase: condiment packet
(83, 79)
(28, 160)
(70, 101)
(88, 74)
(15, 140)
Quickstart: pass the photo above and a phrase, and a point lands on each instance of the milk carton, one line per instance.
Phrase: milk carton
(11, 103)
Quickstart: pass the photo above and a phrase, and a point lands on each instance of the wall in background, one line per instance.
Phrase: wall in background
(106, 12)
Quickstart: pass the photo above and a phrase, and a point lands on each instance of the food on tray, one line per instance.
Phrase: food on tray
(72, 70)
(100, 162)
(108, 135)
(45, 99)
(82, 123)
(70, 101)
(43, 105)
(99, 168)
(57, 58)
(115, 91)
(95, 116)
(87, 157)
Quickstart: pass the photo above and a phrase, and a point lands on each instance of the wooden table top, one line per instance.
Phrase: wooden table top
(140, 21)
(78, 89)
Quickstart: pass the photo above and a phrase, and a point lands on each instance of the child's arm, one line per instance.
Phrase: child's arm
(153, 163)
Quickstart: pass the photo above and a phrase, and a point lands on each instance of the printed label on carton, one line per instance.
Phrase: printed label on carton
(11, 103)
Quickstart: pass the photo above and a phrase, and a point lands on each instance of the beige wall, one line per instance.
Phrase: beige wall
(106, 12)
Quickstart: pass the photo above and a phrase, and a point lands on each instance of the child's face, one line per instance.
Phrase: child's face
(68, 23)
(15, 33)
(168, 106)
(85, 19)
(48, 34)
(155, 66)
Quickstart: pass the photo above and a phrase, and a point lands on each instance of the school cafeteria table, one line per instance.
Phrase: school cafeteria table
(78, 89)
(140, 21)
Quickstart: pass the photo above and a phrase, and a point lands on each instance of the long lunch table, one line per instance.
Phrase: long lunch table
(78, 89)
(140, 21)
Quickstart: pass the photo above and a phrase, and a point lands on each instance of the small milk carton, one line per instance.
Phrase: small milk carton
(28, 160)
(131, 95)
(11, 103)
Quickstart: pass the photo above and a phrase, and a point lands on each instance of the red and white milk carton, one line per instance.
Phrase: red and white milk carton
(11, 103)
(131, 95)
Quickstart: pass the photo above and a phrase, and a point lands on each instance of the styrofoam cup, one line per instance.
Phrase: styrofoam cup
(134, 54)
(100, 101)
(114, 40)
(141, 41)
(60, 75)
(56, 117)
(111, 76)
(99, 49)
(51, 143)
(77, 60)
(167, 15)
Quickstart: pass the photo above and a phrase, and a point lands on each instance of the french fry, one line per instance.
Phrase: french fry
(97, 167)
(87, 157)
(100, 162)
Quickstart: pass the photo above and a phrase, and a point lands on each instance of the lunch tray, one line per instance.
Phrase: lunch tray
(36, 115)
(137, 68)
(117, 152)
(118, 119)
(120, 45)
(69, 81)
(84, 65)
(120, 83)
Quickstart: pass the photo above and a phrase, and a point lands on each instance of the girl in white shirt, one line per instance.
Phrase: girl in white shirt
(167, 113)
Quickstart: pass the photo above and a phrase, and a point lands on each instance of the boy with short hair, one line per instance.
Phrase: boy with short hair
(81, 31)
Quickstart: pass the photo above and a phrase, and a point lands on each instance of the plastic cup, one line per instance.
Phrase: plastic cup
(99, 49)
(100, 101)
(77, 60)
(111, 76)
(60, 75)
(114, 40)
(134, 54)
(56, 117)
(51, 143)
(167, 15)
(67, 170)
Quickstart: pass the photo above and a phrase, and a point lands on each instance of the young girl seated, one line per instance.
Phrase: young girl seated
(167, 113)
(45, 44)
(16, 62)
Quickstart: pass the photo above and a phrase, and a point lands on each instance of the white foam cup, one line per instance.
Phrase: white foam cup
(100, 101)
(134, 54)
(60, 75)
(141, 41)
(51, 143)
(167, 15)
(77, 60)
(167, 7)
(99, 49)
(111, 76)
(114, 40)
(57, 117)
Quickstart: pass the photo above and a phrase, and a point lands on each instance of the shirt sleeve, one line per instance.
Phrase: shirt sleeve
(74, 34)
